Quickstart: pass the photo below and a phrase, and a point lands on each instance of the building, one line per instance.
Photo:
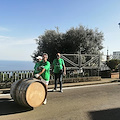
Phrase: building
(116, 55)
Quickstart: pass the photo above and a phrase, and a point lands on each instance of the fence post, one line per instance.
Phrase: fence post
(3, 76)
(0, 77)
(99, 64)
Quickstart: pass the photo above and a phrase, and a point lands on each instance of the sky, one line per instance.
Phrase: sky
(22, 21)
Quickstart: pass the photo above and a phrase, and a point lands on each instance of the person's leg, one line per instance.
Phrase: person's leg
(56, 75)
(45, 101)
(45, 82)
(46, 85)
(60, 81)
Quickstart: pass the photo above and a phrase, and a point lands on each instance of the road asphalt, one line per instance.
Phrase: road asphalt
(102, 81)
(86, 102)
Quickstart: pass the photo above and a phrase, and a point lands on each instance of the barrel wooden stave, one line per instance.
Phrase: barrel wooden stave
(13, 89)
(19, 91)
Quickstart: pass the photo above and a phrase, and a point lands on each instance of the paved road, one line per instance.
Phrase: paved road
(98, 102)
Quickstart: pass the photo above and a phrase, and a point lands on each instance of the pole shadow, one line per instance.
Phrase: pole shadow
(8, 106)
(109, 114)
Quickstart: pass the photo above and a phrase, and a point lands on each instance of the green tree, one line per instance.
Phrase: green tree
(51, 42)
(112, 64)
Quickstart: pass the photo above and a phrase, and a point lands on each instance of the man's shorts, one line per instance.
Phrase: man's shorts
(45, 82)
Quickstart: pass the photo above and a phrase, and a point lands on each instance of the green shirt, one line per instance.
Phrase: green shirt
(36, 68)
(46, 74)
(58, 65)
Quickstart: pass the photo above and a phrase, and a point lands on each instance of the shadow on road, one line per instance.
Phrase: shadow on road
(110, 114)
(10, 107)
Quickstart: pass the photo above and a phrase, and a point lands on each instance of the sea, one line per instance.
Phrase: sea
(6, 65)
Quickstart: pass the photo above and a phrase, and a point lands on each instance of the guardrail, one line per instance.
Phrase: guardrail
(11, 76)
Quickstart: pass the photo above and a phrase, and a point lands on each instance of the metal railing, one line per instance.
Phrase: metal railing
(11, 76)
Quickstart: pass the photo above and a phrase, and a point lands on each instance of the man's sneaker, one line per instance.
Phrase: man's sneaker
(45, 102)
(54, 90)
(61, 91)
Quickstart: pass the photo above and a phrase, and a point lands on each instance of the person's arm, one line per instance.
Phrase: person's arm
(64, 68)
(52, 67)
(38, 74)
(42, 71)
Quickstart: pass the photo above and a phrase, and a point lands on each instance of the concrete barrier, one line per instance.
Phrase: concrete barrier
(79, 79)
(115, 75)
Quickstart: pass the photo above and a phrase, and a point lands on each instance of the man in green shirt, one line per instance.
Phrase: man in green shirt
(44, 69)
(44, 74)
(59, 69)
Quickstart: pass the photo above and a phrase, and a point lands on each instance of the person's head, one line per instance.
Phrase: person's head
(45, 57)
(39, 58)
(58, 55)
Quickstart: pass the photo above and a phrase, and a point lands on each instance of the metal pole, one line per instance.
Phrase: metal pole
(80, 57)
(119, 25)
(119, 73)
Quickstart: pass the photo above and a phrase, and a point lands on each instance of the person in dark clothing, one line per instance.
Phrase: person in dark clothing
(58, 67)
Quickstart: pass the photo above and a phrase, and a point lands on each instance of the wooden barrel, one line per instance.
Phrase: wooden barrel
(28, 92)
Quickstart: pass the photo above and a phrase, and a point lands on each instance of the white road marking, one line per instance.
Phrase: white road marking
(85, 86)
(4, 95)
